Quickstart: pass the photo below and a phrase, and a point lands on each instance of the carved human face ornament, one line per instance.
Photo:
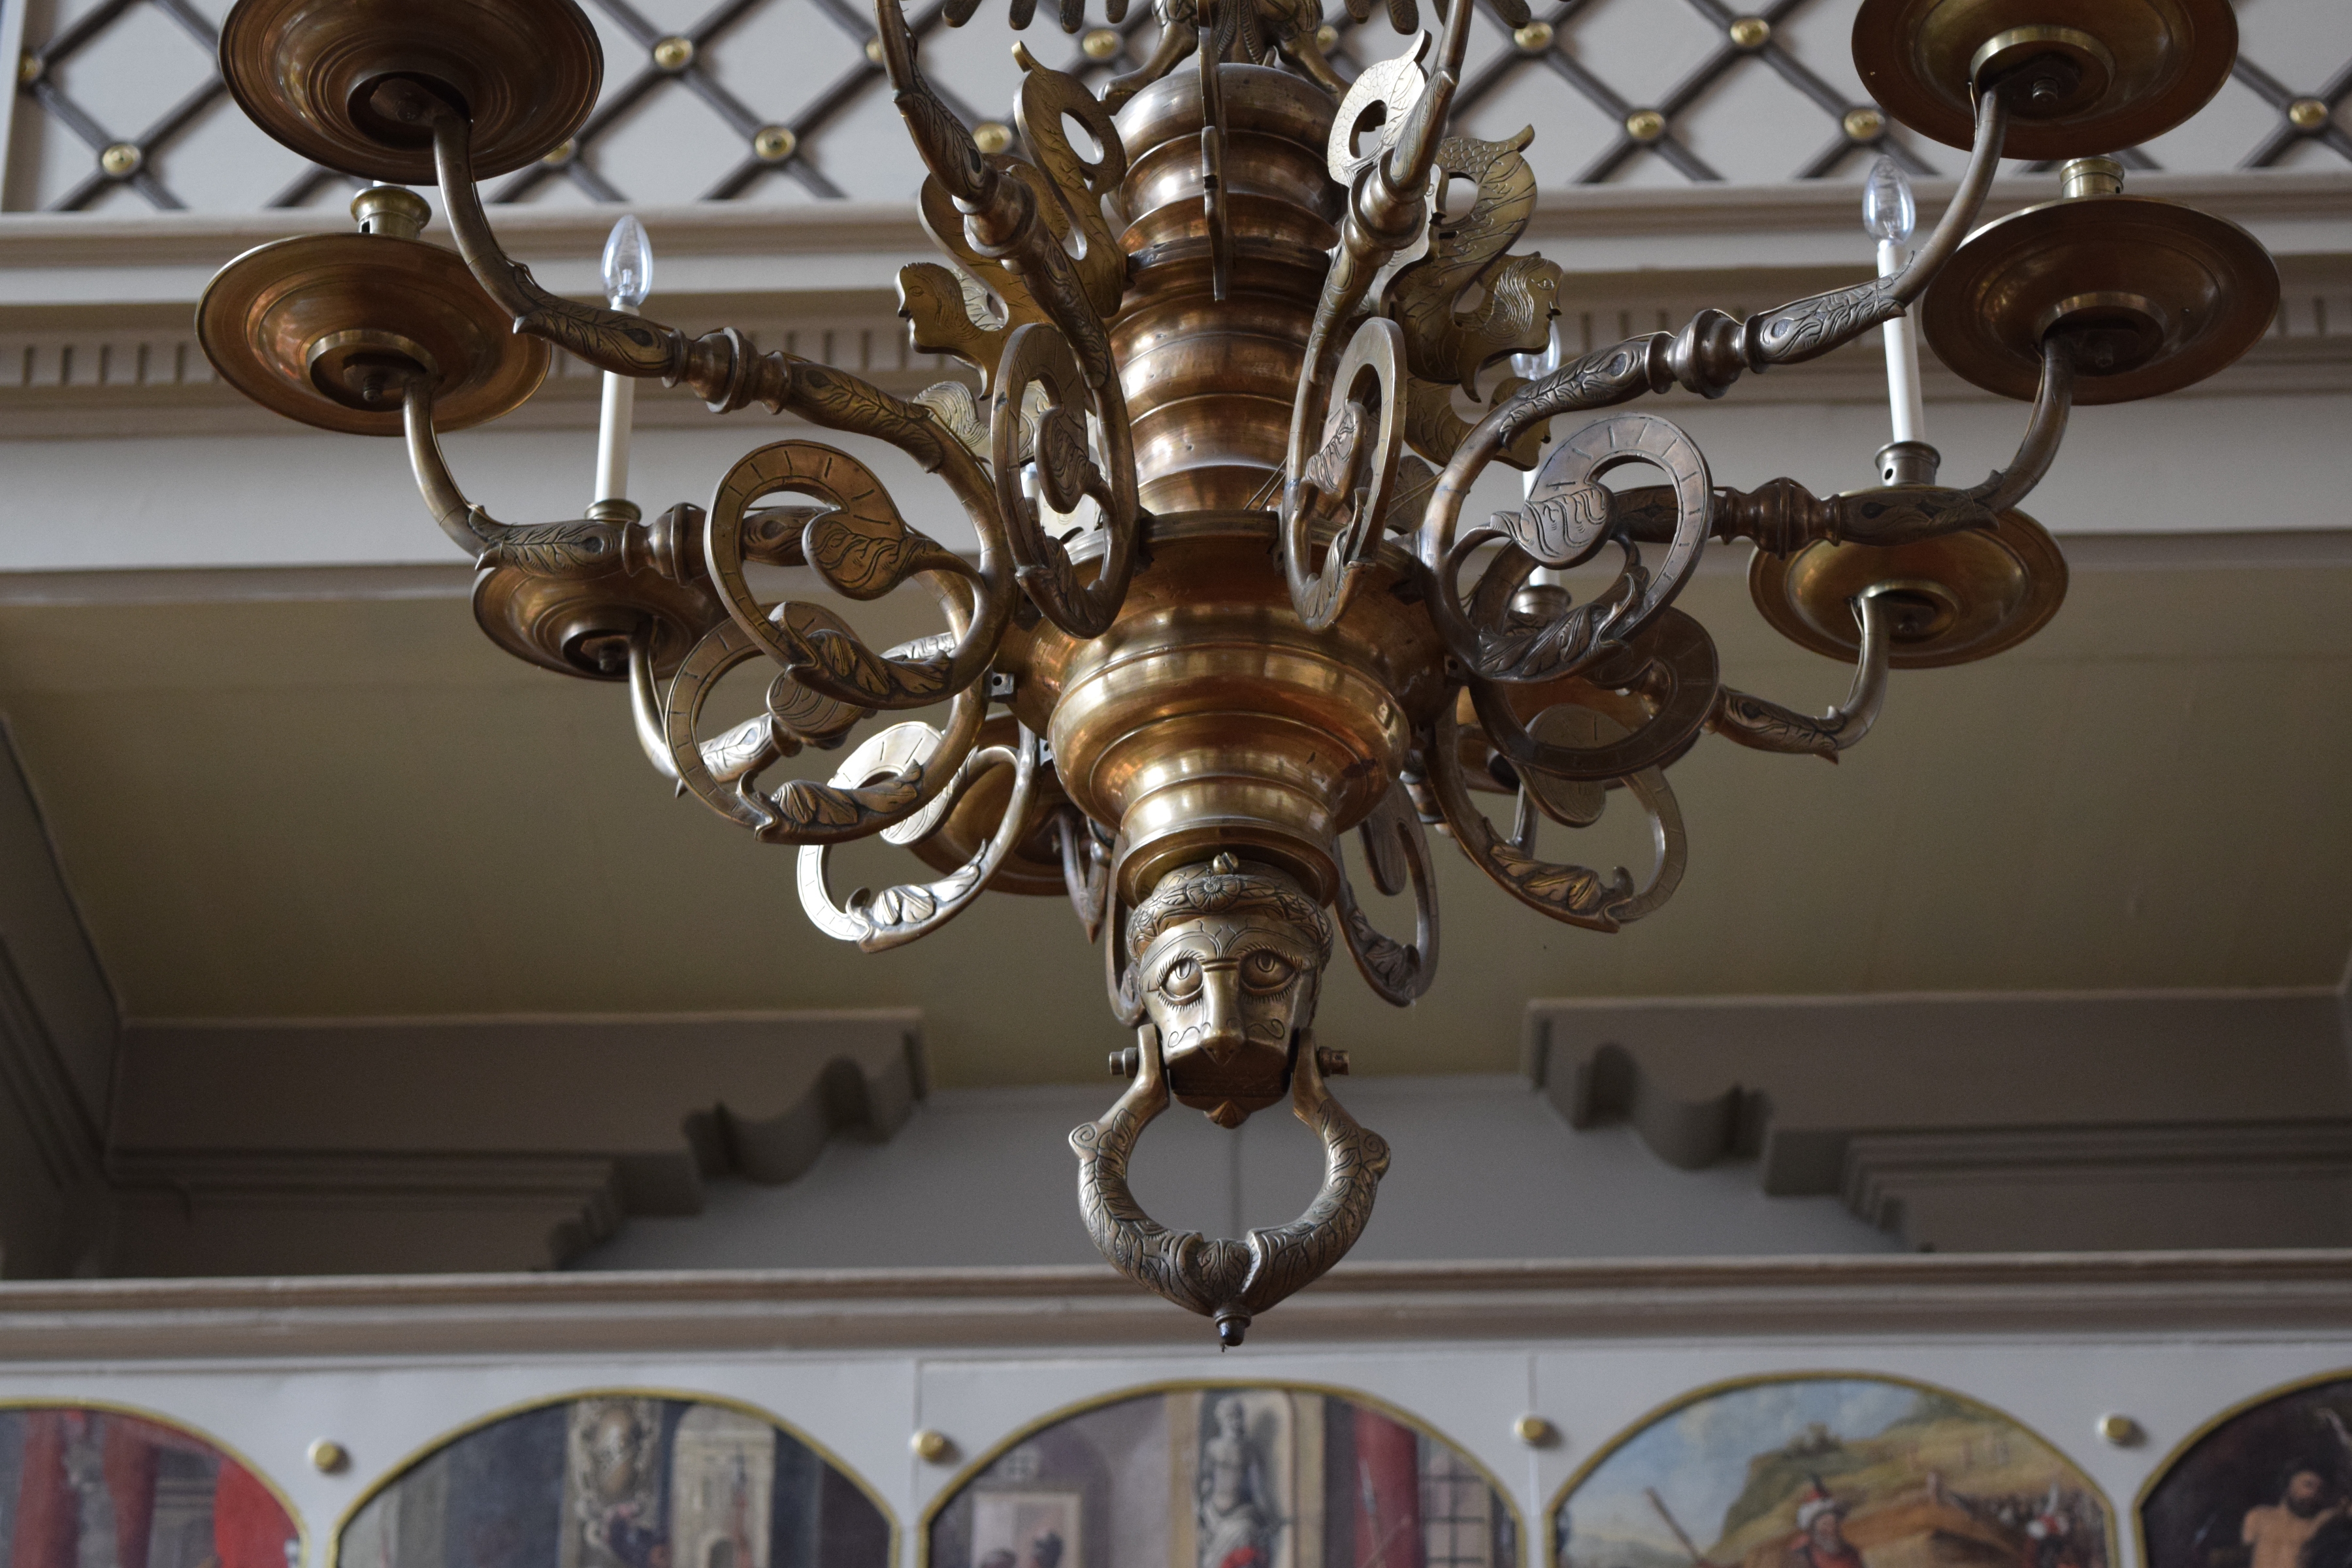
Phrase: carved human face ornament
(1228, 962)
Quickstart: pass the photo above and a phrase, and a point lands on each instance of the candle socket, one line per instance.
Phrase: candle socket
(1908, 463)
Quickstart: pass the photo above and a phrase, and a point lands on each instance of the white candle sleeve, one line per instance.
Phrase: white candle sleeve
(613, 436)
(1902, 335)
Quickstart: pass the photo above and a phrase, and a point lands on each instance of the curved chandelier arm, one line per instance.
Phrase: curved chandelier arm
(580, 547)
(2054, 400)
(1767, 726)
(1225, 1280)
(724, 774)
(899, 915)
(1672, 666)
(646, 705)
(1961, 214)
(1349, 478)
(1396, 850)
(1573, 895)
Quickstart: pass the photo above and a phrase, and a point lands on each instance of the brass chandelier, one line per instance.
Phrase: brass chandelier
(1238, 370)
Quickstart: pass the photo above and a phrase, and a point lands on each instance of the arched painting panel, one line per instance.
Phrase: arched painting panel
(619, 1479)
(2267, 1484)
(1830, 1470)
(85, 1486)
(1226, 1476)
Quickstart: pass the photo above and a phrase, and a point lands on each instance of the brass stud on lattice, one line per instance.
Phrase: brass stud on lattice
(122, 160)
(992, 136)
(2307, 114)
(1645, 125)
(562, 153)
(1100, 44)
(1534, 38)
(673, 53)
(874, 50)
(1865, 124)
(1326, 36)
(28, 66)
(1750, 33)
(774, 143)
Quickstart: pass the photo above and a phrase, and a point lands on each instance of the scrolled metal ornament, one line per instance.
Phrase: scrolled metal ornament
(899, 915)
(1054, 440)
(1397, 851)
(1573, 895)
(1767, 726)
(1349, 481)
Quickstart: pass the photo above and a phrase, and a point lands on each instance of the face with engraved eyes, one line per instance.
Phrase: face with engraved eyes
(1218, 982)
(1228, 956)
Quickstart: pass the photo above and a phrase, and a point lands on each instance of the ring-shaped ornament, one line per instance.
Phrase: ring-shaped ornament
(1037, 354)
(862, 548)
(899, 915)
(1671, 663)
(1374, 355)
(1567, 518)
(1573, 895)
(1392, 86)
(802, 811)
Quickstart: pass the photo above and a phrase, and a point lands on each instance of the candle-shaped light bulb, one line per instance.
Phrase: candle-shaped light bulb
(1887, 210)
(628, 264)
(628, 279)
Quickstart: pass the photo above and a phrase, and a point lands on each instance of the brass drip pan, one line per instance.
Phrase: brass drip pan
(2179, 293)
(526, 71)
(324, 329)
(2132, 70)
(1956, 599)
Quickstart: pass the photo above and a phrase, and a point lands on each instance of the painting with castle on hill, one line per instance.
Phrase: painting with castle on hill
(1830, 1472)
(619, 1481)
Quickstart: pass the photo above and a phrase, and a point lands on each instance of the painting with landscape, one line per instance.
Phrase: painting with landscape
(1830, 1472)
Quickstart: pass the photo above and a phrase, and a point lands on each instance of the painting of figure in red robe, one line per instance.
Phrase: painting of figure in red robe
(1267, 1477)
(100, 1489)
(1830, 1472)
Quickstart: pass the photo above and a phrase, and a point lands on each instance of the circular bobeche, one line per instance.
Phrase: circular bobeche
(525, 71)
(2118, 72)
(2164, 296)
(326, 328)
(1954, 599)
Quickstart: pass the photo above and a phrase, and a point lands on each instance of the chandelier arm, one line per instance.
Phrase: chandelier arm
(1226, 1279)
(468, 526)
(1350, 477)
(1573, 895)
(1765, 726)
(1399, 973)
(1810, 328)
(2054, 400)
(899, 915)
(646, 716)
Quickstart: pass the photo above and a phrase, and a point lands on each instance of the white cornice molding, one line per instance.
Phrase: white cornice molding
(2260, 1294)
(857, 227)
